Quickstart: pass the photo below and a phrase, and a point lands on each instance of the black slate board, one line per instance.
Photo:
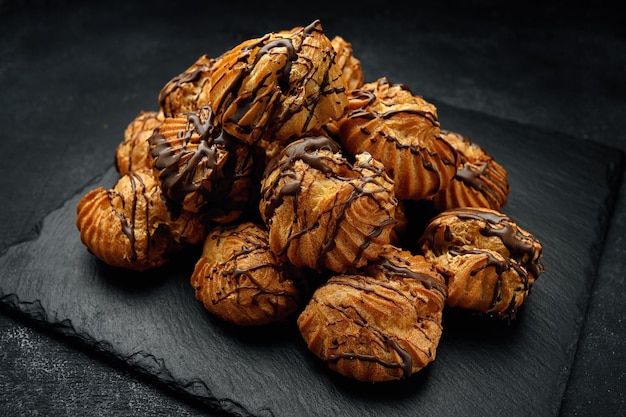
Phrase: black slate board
(562, 190)
(74, 74)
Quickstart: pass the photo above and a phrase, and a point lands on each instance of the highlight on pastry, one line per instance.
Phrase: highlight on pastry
(382, 323)
(128, 226)
(350, 65)
(490, 263)
(279, 87)
(201, 168)
(402, 131)
(324, 212)
(480, 181)
(239, 279)
(133, 153)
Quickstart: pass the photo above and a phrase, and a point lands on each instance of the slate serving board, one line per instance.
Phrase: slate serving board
(104, 63)
(561, 192)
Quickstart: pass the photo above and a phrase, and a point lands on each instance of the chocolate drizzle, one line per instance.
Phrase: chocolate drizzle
(369, 98)
(393, 269)
(478, 171)
(201, 159)
(366, 179)
(128, 223)
(522, 248)
(261, 111)
(252, 243)
(197, 75)
(471, 174)
(522, 255)
(382, 346)
(405, 363)
(306, 150)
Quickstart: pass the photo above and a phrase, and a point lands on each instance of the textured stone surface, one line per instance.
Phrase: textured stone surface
(75, 78)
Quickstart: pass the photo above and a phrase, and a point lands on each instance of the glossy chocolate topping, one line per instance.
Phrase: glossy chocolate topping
(402, 269)
(128, 223)
(478, 172)
(523, 249)
(305, 150)
(237, 100)
(205, 160)
(366, 178)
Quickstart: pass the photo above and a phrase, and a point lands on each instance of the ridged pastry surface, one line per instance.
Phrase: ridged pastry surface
(324, 212)
(402, 131)
(480, 181)
(350, 65)
(490, 262)
(133, 153)
(278, 87)
(239, 279)
(128, 225)
(380, 324)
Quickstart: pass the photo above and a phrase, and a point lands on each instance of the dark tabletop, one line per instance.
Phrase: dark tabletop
(554, 68)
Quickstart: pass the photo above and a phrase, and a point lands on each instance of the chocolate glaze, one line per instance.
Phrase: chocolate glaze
(191, 75)
(394, 269)
(276, 115)
(524, 251)
(361, 283)
(405, 363)
(128, 223)
(204, 145)
(307, 150)
(471, 174)
(477, 174)
(522, 248)
(176, 182)
(426, 155)
(369, 97)
(253, 242)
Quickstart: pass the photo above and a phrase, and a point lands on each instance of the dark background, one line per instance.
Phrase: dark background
(557, 66)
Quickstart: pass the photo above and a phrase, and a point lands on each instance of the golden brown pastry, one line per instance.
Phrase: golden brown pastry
(202, 169)
(324, 212)
(133, 153)
(352, 74)
(350, 66)
(189, 90)
(239, 279)
(278, 87)
(480, 181)
(128, 226)
(402, 131)
(489, 262)
(381, 324)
